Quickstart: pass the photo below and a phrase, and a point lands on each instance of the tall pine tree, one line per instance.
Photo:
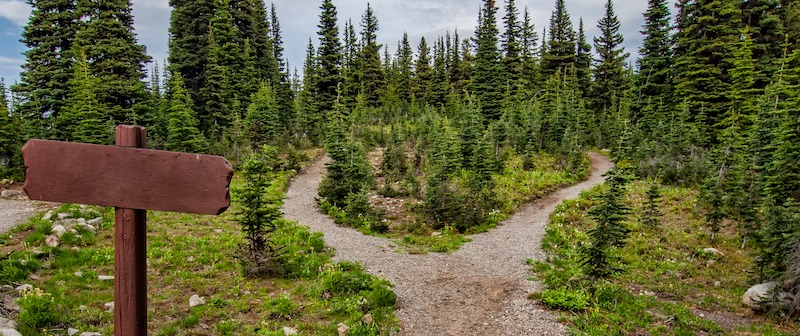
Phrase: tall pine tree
(328, 74)
(487, 82)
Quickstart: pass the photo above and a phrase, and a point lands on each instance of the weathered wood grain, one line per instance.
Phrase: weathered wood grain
(130, 178)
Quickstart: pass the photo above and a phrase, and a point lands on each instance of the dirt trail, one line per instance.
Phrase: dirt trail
(479, 290)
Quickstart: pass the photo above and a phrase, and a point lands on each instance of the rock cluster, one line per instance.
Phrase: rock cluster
(65, 223)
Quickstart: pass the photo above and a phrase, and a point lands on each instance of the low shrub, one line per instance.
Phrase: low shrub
(565, 299)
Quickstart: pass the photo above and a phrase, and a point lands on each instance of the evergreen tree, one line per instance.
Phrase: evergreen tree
(768, 32)
(114, 58)
(282, 85)
(85, 118)
(216, 93)
(404, 70)
(512, 58)
(423, 72)
(264, 48)
(583, 61)
(183, 133)
(528, 47)
(349, 171)
(263, 117)
(652, 213)
(189, 45)
(655, 63)
(328, 74)
(610, 232)
(487, 83)
(43, 87)
(707, 34)
(373, 80)
(559, 53)
(609, 75)
(10, 136)
(311, 118)
(440, 86)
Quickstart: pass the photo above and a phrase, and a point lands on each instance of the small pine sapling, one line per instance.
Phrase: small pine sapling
(599, 260)
(652, 215)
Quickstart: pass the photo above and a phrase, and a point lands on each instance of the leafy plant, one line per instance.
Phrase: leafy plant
(37, 309)
(565, 299)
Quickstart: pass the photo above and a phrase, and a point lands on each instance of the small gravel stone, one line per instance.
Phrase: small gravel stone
(289, 331)
(9, 332)
(109, 306)
(196, 300)
(8, 324)
(72, 331)
(105, 277)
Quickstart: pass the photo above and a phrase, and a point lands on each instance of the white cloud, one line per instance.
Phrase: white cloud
(15, 11)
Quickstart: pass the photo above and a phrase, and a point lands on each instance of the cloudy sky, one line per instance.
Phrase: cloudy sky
(299, 18)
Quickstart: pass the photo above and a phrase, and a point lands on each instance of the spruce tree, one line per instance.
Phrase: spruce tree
(655, 63)
(440, 86)
(559, 53)
(189, 45)
(652, 213)
(282, 85)
(768, 32)
(86, 119)
(404, 73)
(10, 136)
(328, 74)
(183, 135)
(528, 47)
(115, 58)
(423, 72)
(609, 75)
(610, 233)
(349, 171)
(373, 78)
(487, 83)
(216, 93)
(512, 53)
(43, 87)
(583, 61)
(263, 117)
(707, 34)
(312, 119)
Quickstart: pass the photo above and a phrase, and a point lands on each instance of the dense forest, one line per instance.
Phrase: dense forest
(712, 102)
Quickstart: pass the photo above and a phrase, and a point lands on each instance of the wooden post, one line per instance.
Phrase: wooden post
(130, 254)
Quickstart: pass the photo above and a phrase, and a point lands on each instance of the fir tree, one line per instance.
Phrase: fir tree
(328, 74)
(609, 75)
(423, 72)
(86, 119)
(349, 171)
(311, 117)
(655, 63)
(216, 93)
(373, 80)
(10, 136)
(283, 90)
(583, 61)
(559, 53)
(183, 133)
(610, 233)
(487, 82)
(440, 86)
(404, 70)
(652, 213)
(528, 47)
(512, 58)
(115, 58)
(43, 87)
(263, 117)
(189, 44)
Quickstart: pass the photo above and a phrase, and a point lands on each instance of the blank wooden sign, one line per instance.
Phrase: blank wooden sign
(126, 177)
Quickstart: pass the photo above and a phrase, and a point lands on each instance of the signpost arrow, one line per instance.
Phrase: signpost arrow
(133, 180)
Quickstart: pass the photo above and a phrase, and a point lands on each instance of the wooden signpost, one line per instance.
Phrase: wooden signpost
(133, 180)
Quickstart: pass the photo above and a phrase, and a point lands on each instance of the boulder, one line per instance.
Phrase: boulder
(760, 297)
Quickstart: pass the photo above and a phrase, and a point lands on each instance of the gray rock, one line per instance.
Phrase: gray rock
(78, 274)
(48, 215)
(95, 222)
(58, 230)
(51, 241)
(72, 331)
(80, 221)
(760, 297)
(289, 331)
(196, 300)
(715, 252)
(343, 329)
(23, 287)
(91, 334)
(109, 306)
(9, 332)
(63, 215)
(10, 193)
(8, 324)
(105, 277)
(717, 284)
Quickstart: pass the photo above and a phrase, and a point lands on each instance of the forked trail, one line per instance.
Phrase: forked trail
(479, 290)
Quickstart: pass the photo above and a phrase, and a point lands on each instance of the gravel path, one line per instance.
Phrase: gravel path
(480, 289)
(13, 213)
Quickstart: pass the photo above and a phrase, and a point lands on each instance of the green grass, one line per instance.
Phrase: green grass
(196, 254)
(514, 186)
(667, 282)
